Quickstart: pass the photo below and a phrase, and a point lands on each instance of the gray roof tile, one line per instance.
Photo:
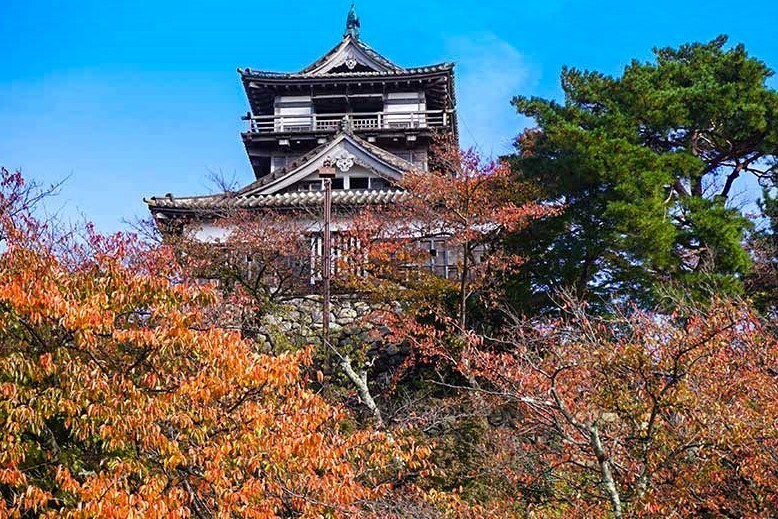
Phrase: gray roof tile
(286, 200)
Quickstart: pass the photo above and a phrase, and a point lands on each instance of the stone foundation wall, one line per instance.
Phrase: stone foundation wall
(299, 320)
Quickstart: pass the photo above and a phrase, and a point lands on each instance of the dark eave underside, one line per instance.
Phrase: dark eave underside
(261, 90)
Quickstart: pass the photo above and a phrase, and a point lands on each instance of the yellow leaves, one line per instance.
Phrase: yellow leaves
(173, 460)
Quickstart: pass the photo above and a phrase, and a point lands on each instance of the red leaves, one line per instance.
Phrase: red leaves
(685, 406)
(463, 209)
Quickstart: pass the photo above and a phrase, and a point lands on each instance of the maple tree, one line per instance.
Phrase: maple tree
(469, 202)
(640, 415)
(118, 400)
(474, 203)
(465, 201)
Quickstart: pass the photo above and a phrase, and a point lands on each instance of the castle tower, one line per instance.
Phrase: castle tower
(372, 118)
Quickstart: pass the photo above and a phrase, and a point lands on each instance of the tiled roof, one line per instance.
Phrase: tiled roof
(261, 74)
(285, 200)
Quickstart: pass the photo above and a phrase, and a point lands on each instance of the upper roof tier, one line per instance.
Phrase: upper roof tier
(350, 57)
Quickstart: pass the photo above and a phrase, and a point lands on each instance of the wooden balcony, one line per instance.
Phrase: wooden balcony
(360, 122)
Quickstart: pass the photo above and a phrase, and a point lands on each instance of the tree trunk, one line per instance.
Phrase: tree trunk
(360, 382)
(608, 483)
(463, 286)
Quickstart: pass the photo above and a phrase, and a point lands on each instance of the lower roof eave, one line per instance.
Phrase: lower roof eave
(215, 207)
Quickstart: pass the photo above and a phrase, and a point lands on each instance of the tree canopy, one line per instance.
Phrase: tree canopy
(647, 164)
(120, 400)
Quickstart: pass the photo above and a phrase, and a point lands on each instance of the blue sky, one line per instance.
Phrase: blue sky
(132, 99)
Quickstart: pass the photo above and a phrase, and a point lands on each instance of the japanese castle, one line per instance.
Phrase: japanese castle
(353, 109)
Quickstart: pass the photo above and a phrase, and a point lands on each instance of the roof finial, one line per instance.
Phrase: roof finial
(345, 125)
(352, 23)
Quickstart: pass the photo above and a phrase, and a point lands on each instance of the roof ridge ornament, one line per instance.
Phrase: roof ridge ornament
(346, 125)
(352, 24)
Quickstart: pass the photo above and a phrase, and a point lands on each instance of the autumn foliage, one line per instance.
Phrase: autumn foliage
(637, 414)
(130, 390)
(118, 402)
(467, 201)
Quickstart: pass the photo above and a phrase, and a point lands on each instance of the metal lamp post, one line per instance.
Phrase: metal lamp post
(326, 173)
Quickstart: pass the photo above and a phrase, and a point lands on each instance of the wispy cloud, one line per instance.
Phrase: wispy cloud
(490, 71)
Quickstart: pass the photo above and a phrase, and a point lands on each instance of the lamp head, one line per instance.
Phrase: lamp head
(327, 170)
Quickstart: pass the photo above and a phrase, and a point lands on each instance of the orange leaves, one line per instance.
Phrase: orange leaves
(12, 477)
(120, 401)
(33, 499)
(65, 480)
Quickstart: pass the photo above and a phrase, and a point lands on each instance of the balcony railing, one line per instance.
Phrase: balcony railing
(359, 121)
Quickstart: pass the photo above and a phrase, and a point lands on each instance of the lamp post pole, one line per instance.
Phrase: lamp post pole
(326, 172)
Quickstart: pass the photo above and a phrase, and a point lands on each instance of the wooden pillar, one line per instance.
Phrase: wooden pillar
(326, 261)
(327, 173)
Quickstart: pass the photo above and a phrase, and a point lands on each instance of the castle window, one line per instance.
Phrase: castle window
(309, 186)
(358, 182)
(405, 110)
(378, 183)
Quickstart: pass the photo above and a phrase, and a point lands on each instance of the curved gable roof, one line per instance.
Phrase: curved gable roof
(351, 48)
(369, 156)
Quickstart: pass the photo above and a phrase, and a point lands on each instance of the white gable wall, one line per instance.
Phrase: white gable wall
(363, 161)
(348, 51)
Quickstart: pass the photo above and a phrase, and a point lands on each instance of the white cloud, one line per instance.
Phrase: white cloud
(489, 73)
